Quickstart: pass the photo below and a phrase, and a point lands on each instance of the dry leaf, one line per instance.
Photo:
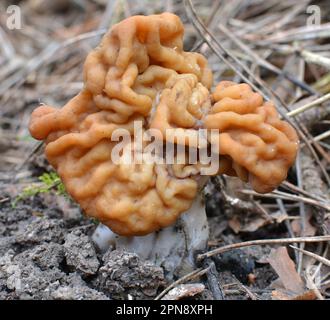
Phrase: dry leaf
(310, 230)
(235, 224)
(285, 268)
(284, 295)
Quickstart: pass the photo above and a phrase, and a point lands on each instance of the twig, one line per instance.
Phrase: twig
(4, 200)
(287, 196)
(192, 275)
(244, 288)
(263, 63)
(221, 55)
(213, 280)
(311, 284)
(302, 33)
(302, 211)
(294, 188)
(37, 146)
(229, 247)
(322, 136)
(311, 57)
(107, 16)
(287, 224)
(309, 105)
(49, 52)
(313, 255)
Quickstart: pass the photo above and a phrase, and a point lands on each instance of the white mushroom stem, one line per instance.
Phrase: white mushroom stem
(104, 238)
(172, 248)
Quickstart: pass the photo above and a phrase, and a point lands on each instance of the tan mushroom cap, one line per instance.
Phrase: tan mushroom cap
(140, 72)
(260, 145)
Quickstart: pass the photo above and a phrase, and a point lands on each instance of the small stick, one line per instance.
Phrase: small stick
(47, 54)
(213, 280)
(311, 284)
(302, 210)
(313, 255)
(287, 196)
(108, 14)
(322, 136)
(229, 247)
(287, 224)
(192, 275)
(246, 289)
(294, 188)
(309, 105)
(262, 62)
(316, 59)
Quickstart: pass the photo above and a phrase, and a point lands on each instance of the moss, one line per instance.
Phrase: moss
(48, 181)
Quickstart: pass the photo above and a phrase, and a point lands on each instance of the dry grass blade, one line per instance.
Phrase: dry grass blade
(49, 52)
(311, 57)
(262, 62)
(309, 105)
(302, 33)
(287, 196)
(295, 189)
(210, 40)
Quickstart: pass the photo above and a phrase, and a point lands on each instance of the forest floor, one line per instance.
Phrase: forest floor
(280, 47)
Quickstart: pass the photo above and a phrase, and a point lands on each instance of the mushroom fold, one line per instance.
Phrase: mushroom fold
(141, 74)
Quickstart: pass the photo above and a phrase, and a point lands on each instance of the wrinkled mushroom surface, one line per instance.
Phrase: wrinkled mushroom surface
(261, 147)
(140, 72)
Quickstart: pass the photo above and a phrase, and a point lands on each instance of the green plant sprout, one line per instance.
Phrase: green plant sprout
(48, 181)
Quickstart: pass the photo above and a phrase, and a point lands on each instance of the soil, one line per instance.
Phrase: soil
(46, 253)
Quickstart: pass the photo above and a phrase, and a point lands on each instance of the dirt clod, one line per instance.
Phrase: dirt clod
(125, 273)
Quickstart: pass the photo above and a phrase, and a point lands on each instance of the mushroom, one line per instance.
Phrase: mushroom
(140, 74)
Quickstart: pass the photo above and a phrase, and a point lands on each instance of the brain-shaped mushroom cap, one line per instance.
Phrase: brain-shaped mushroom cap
(261, 146)
(140, 74)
